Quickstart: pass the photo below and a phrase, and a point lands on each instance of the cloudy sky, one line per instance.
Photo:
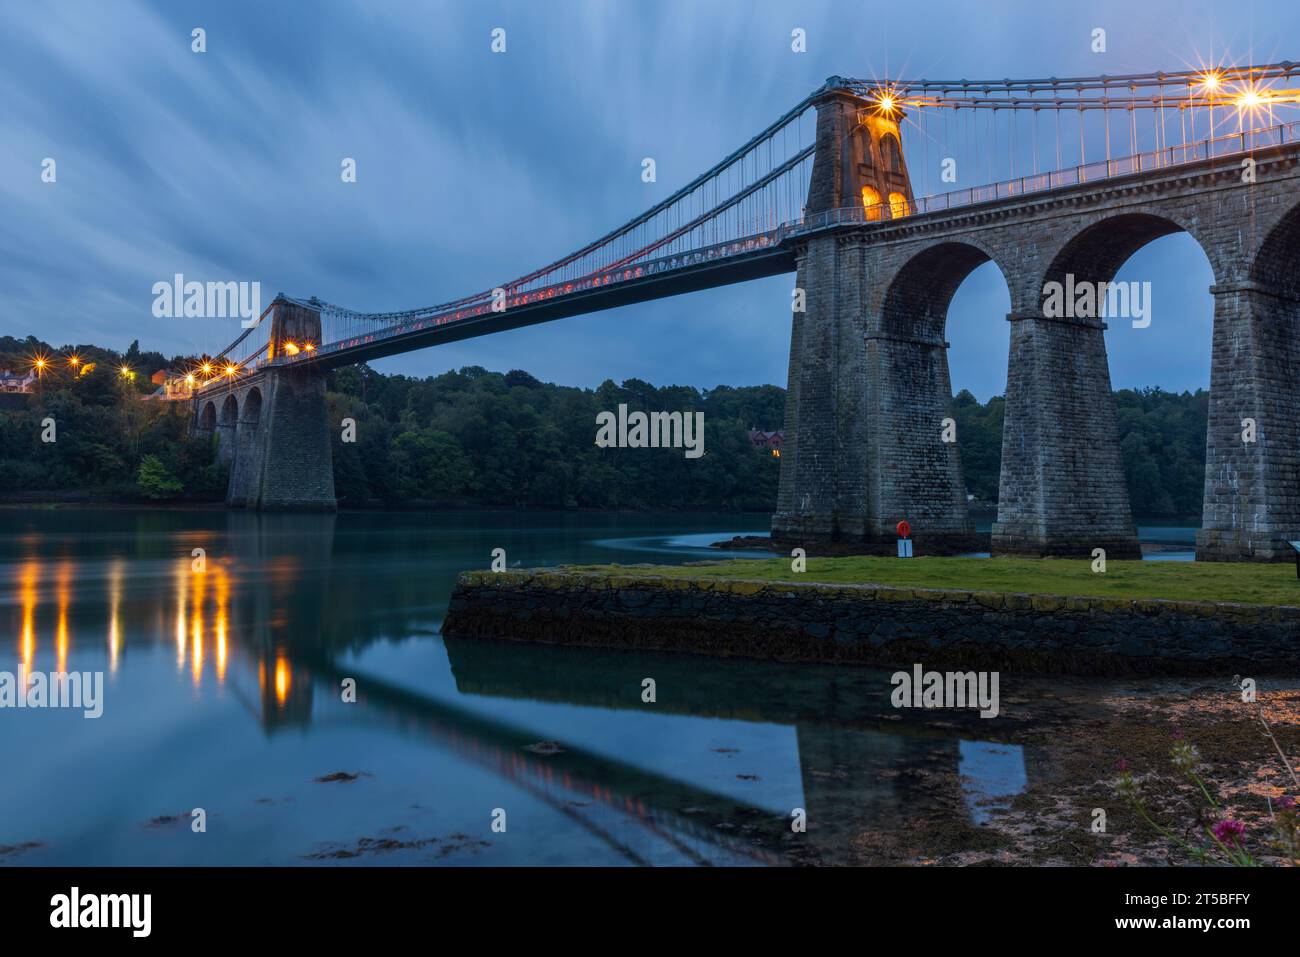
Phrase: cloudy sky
(476, 167)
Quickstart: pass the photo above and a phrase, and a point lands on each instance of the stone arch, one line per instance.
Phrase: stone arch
(227, 424)
(910, 398)
(891, 153)
(918, 295)
(229, 412)
(871, 202)
(1274, 266)
(208, 418)
(1064, 488)
(1251, 510)
(251, 414)
(1095, 252)
(243, 475)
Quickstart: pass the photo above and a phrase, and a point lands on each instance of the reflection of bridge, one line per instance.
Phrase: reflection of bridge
(825, 192)
(284, 613)
(297, 610)
(641, 814)
(281, 605)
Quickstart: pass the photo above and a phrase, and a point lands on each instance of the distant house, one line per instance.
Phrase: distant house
(171, 386)
(766, 440)
(11, 382)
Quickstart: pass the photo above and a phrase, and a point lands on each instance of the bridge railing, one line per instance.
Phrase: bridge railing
(1231, 144)
(754, 243)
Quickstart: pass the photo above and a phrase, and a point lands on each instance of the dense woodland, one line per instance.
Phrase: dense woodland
(481, 437)
(478, 438)
(1162, 439)
(107, 440)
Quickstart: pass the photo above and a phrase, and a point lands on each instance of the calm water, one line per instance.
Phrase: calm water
(222, 692)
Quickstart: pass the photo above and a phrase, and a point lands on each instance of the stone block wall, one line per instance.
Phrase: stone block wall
(276, 441)
(876, 625)
(859, 453)
(1062, 489)
(295, 467)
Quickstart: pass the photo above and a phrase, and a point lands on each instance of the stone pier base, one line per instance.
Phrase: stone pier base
(292, 460)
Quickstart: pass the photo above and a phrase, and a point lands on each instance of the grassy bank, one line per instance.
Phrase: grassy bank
(1255, 584)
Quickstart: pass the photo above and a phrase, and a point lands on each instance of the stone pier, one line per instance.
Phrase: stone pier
(271, 424)
(868, 420)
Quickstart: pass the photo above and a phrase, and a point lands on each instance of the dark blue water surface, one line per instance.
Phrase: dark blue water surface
(223, 693)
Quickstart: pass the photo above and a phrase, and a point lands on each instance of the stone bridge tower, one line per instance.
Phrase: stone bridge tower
(271, 425)
(859, 156)
(866, 396)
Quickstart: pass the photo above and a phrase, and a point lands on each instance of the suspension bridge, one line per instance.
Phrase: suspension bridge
(1047, 178)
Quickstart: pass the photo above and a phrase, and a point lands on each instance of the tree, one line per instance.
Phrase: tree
(155, 481)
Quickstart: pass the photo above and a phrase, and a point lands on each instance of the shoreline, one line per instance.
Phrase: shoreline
(872, 624)
(91, 500)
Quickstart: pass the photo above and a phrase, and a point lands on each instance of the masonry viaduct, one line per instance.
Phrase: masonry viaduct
(272, 428)
(869, 385)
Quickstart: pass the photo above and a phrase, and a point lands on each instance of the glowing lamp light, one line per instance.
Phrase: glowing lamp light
(291, 348)
(1250, 99)
(886, 103)
(40, 365)
(231, 370)
(125, 370)
(1210, 81)
(189, 379)
(74, 361)
(309, 346)
(207, 368)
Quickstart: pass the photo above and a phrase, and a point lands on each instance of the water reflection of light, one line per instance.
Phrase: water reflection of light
(282, 679)
(27, 637)
(114, 604)
(61, 631)
(196, 668)
(221, 649)
(198, 596)
(182, 590)
(196, 630)
(223, 606)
